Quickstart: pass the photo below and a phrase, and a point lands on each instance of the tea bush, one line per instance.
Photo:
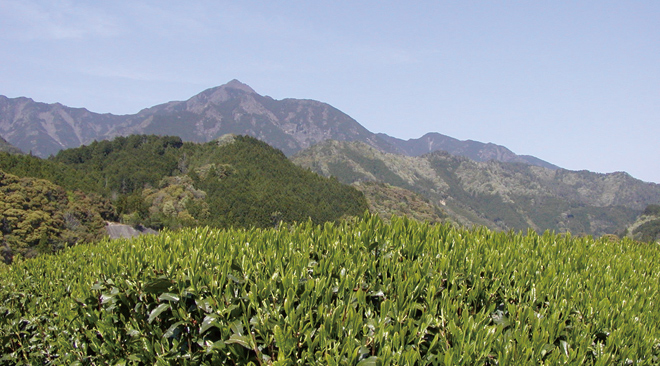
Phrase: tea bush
(357, 293)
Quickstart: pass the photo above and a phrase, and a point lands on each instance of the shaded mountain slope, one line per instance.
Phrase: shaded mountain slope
(499, 195)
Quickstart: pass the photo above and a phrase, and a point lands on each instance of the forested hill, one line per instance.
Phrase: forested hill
(162, 182)
(499, 195)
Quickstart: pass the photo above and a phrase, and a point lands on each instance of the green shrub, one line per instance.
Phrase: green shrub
(652, 210)
(361, 292)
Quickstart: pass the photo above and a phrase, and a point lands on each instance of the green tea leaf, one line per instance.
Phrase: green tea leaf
(370, 361)
(238, 339)
(157, 286)
(167, 296)
(207, 323)
(157, 311)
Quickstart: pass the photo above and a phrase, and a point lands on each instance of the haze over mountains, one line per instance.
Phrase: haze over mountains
(289, 125)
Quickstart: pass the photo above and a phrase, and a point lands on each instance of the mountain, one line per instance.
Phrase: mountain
(496, 194)
(289, 125)
(477, 151)
(44, 129)
(8, 148)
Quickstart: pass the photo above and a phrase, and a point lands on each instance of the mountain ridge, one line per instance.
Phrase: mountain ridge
(500, 195)
(289, 124)
(475, 150)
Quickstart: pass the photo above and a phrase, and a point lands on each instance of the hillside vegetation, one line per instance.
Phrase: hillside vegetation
(499, 195)
(162, 182)
(356, 293)
(9, 148)
(647, 226)
(39, 217)
(237, 181)
(386, 201)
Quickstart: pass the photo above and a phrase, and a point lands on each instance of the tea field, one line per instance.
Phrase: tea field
(357, 293)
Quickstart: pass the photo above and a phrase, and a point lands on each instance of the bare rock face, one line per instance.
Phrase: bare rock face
(117, 231)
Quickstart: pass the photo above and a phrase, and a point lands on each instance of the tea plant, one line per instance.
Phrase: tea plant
(356, 293)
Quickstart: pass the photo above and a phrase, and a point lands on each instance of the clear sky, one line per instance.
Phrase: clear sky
(576, 83)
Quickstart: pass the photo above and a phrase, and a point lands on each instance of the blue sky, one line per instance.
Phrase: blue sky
(573, 83)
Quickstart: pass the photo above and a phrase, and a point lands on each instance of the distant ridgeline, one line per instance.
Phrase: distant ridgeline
(162, 182)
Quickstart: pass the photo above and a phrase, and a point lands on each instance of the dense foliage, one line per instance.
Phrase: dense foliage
(58, 173)
(248, 183)
(239, 181)
(162, 182)
(126, 164)
(652, 210)
(38, 217)
(360, 292)
(647, 227)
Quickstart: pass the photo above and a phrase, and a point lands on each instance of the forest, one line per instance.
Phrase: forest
(159, 182)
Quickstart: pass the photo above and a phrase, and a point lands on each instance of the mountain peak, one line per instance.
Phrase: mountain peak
(219, 94)
(235, 84)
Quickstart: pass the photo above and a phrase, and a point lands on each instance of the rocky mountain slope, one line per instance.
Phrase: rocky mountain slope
(475, 150)
(289, 125)
(44, 129)
(496, 194)
(386, 201)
